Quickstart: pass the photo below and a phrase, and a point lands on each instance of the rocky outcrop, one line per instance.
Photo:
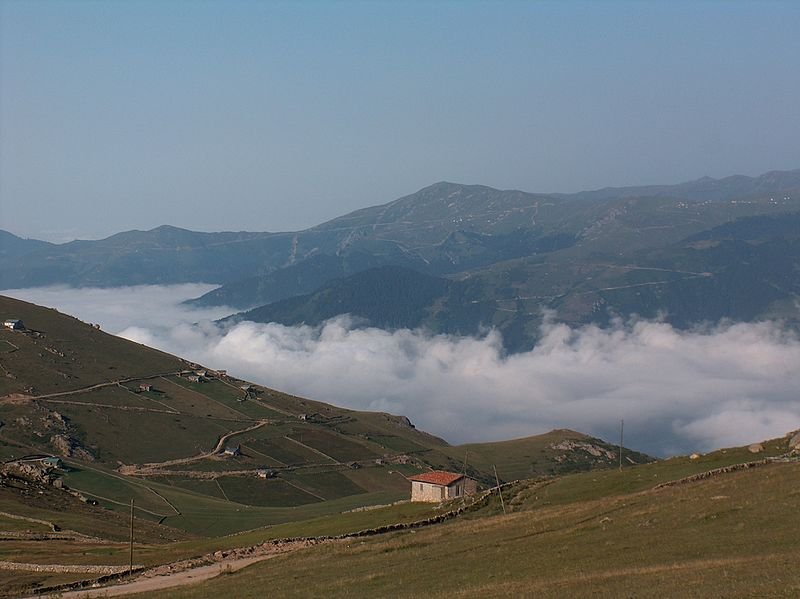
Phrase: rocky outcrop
(70, 447)
(592, 449)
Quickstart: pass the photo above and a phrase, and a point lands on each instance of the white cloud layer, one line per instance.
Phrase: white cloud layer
(677, 391)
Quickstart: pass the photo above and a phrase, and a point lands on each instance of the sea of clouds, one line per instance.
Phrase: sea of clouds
(677, 391)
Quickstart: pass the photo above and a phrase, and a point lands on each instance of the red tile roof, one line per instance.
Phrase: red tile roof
(437, 477)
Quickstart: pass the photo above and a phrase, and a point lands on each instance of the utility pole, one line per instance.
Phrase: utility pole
(130, 563)
(621, 427)
(499, 490)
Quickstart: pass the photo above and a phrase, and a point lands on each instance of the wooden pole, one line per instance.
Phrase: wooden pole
(499, 490)
(130, 563)
(621, 427)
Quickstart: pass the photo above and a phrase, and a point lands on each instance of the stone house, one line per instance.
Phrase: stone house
(232, 450)
(439, 486)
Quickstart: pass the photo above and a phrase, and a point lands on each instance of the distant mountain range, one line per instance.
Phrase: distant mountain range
(461, 258)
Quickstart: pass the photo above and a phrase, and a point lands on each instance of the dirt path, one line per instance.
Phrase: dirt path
(17, 397)
(167, 581)
(152, 468)
(187, 572)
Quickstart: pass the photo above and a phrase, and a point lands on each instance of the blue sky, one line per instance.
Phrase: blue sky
(279, 115)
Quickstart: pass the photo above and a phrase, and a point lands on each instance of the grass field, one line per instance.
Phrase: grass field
(113, 396)
(396, 443)
(69, 354)
(326, 484)
(194, 485)
(336, 446)
(272, 492)
(14, 583)
(116, 436)
(285, 451)
(729, 536)
(603, 533)
(230, 396)
(8, 524)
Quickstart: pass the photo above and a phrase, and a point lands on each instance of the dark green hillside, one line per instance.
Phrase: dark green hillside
(710, 276)
(740, 281)
(388, 296)
(391, 297)
(298, 279)
(59, 353)
(754, 228)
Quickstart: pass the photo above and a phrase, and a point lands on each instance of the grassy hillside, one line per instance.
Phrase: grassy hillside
(134, 423)
(60, 353)
(604, 534)
(149, 427)
(387, 296)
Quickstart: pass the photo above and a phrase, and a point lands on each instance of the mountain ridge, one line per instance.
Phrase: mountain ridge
(584, 256)
(785, 179)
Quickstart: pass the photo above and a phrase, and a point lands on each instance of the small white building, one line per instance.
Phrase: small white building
(13, 324)
(439, 486)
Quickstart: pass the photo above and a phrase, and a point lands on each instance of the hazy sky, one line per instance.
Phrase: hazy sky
(279, 115)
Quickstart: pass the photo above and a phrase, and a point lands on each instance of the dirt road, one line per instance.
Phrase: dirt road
(167, 581)
(188, 572)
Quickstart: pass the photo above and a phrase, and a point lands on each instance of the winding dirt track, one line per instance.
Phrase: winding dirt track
(154, 467)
